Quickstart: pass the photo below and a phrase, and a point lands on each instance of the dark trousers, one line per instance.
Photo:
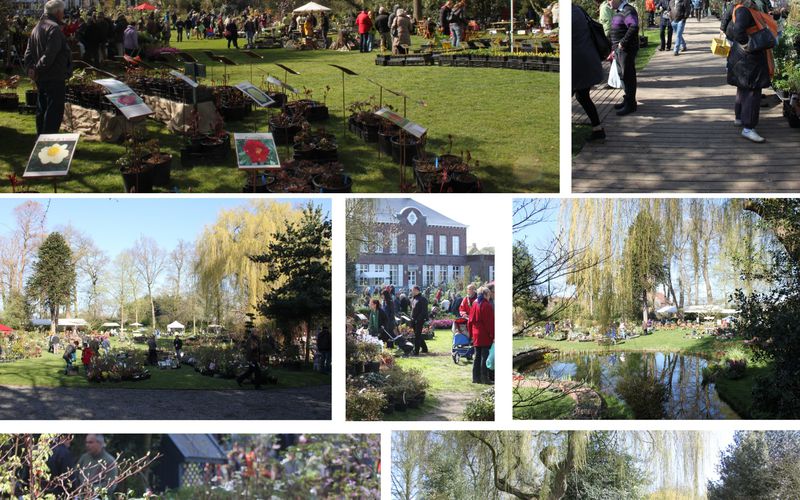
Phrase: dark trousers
(584, 98)
(748, 105)
(419, 341)
(235, 42)
(50, 106)
(666, 25)
(180, 35)
(252, 370)
(627, 64)
(364, 42)
(480, 374)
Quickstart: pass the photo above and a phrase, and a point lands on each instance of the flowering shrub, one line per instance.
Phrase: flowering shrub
(20, 347)
(441, 324)
(116, 368)
(363, 347)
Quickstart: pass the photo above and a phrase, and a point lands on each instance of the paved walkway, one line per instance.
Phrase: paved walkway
(27, 403)
(682, 138)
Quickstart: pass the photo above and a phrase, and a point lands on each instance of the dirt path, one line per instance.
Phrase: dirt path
(36, 403)
(449, 406)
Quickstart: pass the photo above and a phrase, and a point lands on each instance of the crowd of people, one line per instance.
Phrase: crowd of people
(751, 27)
(476, 307)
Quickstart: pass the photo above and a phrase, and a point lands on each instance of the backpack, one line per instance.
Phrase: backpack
(598, 35)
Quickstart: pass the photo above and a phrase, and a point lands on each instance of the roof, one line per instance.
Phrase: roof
(389, 209)
(61, 322)
(175, 325)
(198, 448)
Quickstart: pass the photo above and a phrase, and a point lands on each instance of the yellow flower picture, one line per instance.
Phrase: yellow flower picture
(55, 153)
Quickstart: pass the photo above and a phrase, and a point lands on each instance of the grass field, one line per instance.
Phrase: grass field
(443, 375)
(506, 119)
(48, 371)
(551, 405)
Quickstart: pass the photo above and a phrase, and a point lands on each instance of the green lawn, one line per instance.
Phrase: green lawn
(662, 340)
(48, 371)
(506, 119)
(443, 375)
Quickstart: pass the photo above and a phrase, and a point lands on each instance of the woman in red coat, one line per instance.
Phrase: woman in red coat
(481, 329)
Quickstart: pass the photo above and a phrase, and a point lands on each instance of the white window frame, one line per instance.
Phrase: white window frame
(412, 244)
(456, 246)
(428, 244)
(378, 242)
(442, 244)
(393, 244)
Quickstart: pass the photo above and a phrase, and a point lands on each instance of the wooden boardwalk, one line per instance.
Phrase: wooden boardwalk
(682, 138)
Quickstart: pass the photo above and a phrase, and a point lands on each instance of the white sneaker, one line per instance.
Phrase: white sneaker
(751, 134)
(737, 122)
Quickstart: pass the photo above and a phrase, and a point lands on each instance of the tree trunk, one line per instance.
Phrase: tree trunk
(418, 10)
(53, 319)
(644, 306)
(152, 306)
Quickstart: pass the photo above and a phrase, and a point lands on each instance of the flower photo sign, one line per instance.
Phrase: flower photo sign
(51, 155)
(256, 151)
(131, 105)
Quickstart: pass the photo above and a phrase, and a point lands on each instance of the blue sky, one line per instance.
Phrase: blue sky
(115, 223)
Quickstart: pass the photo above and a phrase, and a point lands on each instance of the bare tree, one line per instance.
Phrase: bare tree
(18, 249)
(121, 276)
(530, 212)
(149, 261)
(93, 265)
(179, 257)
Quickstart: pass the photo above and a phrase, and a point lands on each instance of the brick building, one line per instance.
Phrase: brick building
(418, 246)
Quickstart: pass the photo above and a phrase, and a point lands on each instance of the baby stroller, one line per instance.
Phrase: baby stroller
(462, 346)
(399, 341)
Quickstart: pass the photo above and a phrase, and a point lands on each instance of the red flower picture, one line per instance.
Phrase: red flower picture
(257, 151)
(128, 100)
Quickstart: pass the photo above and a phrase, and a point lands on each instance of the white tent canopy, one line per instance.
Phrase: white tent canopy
(175, 326)
(62, 322)
(312, 7)
(667, 310)
(110, 324)
(136, 324)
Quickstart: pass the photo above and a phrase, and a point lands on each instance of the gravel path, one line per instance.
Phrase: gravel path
(39, 403)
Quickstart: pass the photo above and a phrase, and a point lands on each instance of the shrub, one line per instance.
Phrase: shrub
(735, 368)
(18, 347)
(481, 408)
(365, 404)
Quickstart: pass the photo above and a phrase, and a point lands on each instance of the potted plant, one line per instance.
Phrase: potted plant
(137, 176)
(284, 126)
(9, 101)
(333, 182)
(231, 103)
(308, 108)
(160, 162)
(386, 133)
(405, 147)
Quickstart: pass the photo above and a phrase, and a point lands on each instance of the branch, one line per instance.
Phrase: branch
(502, 484)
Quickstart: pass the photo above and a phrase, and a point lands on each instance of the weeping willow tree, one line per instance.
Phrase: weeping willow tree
(644, 262)
(226, 277)
(537, 465)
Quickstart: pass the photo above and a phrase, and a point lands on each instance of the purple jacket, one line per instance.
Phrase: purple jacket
(625, 28)
(130, 40)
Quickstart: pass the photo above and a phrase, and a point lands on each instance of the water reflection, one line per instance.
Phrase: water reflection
(655, 385)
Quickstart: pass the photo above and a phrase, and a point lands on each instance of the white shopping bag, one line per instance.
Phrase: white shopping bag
(613, 76)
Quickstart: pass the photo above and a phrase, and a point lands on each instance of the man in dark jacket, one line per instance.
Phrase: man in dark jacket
(665, 26)
(382, 25)
(253, 356)
(324, 348)
(419, 314)
(60, 463)
(49, 63)
(444, 17)
(679, 11)
(625, 43)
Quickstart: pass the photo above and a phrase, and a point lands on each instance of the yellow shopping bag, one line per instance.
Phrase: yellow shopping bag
(720, 47)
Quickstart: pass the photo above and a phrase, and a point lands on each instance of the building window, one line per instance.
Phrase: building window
(393, 275)
(362, 271)
(491, 273)
(428, 270)
(456, 273)
(412, 244)
(393, 244)
(378, 268)
(412, 278)
(442, 244)
(442, 274)
(378, 242)
(429, 244)
(456, 246)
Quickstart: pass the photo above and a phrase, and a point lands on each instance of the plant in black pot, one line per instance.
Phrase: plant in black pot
(160, 161)
(284, 126)
(363, 121)
(405, 147)
(333, 181)
(386, 132)
(307, 107)
(137, 175)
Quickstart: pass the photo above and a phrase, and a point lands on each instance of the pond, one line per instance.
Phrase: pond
(655, 385)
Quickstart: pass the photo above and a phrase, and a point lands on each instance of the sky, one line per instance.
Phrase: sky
(116, 223)
(482, 222)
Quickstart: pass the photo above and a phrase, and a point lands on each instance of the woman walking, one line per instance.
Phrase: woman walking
(587, 70)
(481, 328)
(750, 63)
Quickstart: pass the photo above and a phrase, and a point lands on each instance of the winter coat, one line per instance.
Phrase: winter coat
(466, 306)
(130, 40)
(747, 70)
(382, 23)
(48, 53)
(403, 25)
(625, 28)
(481, 323)
(364, 23)
(679, 10)
(419, 312)
(587, 69)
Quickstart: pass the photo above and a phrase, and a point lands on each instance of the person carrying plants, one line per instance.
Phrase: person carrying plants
(253, 357)
(419, 314)
(70, 354)
(481, 329)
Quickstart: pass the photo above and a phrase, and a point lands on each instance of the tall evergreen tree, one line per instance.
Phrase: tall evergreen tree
(299, 260)
(53, 278)
(644, 260)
